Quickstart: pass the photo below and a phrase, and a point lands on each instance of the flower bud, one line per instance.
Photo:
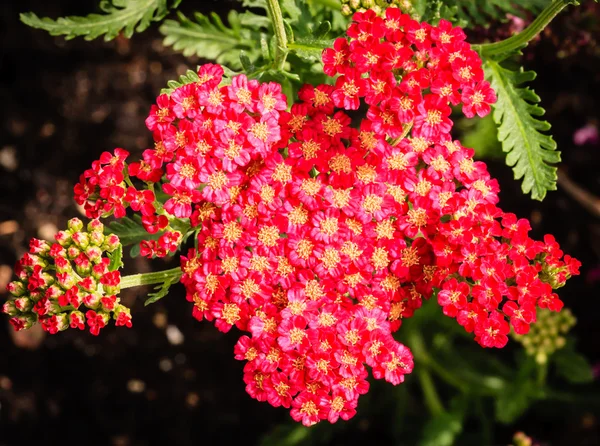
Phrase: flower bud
(23, 322)
(111, 242)
(55, 279)
(40, 247)
(63, 238)
(16, 288)
(10, 308)
(88, 284)
(94, 253)
(81, 239)
(55, 323)
(75, 225)
(96, 238)
(72, 252)
(83, 266)
(23, 304)
(95, 226)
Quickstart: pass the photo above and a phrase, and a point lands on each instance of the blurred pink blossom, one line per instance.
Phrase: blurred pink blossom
(586, 134)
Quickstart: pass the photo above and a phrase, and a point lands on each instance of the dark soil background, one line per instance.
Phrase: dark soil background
(169, 379)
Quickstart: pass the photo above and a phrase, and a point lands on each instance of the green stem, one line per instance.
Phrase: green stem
(432, 399)
(521, 39)
(276, 17)
(542, 373)
(151, 278)
(486, 385)
(417, 346)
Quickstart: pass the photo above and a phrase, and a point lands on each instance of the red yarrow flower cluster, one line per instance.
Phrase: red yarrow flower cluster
(339, 235)
(69, 283)
(318, 238)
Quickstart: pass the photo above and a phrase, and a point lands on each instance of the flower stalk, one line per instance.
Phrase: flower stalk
(521, 39)
(276, 17)
(151, 278)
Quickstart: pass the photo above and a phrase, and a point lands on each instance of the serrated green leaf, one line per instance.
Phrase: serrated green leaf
(129, 230)
(530, 152)
(160, 291)
(127, 16)
(189, 77)
(572, 366)
(116, 259)
(210, 38)
(442, 429)
(309, 49)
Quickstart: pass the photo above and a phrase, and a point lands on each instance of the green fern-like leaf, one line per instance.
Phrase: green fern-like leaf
(160, 291)
(209, 38)
(128, 16)
(530, 152)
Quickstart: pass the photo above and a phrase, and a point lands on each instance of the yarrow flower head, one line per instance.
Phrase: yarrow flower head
(317, 238)
(69, 283)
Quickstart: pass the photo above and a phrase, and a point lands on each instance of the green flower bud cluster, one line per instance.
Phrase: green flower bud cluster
(349, 7)
(56, 283)
(547, 335)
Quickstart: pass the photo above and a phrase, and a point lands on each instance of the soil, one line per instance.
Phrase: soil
(170, 379)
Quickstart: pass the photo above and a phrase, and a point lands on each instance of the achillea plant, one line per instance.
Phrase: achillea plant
(318, 226)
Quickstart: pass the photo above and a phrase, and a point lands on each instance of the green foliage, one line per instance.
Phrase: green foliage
(189, 77)
(131, 232)
(481, 135)
(209, 38)
(116, 259)
(246, 42)
(530, 152)
(128, 16)
(468, 13)
(160, 291)
(572, 366)
(442, 429)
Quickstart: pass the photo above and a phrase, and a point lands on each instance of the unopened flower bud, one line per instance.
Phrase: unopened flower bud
(63, 238)
(88, 284)
(16, 288)
(55, 323)
(95, 226)
(94, 253)
(75, 225)
(10, 308)
(541, 358)
(23, 322)
(96, 238)
(83, 266)
(23, 304)
(40, 247)
(111, 242)
(72, 252)
(81, 239)
(92, 301)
